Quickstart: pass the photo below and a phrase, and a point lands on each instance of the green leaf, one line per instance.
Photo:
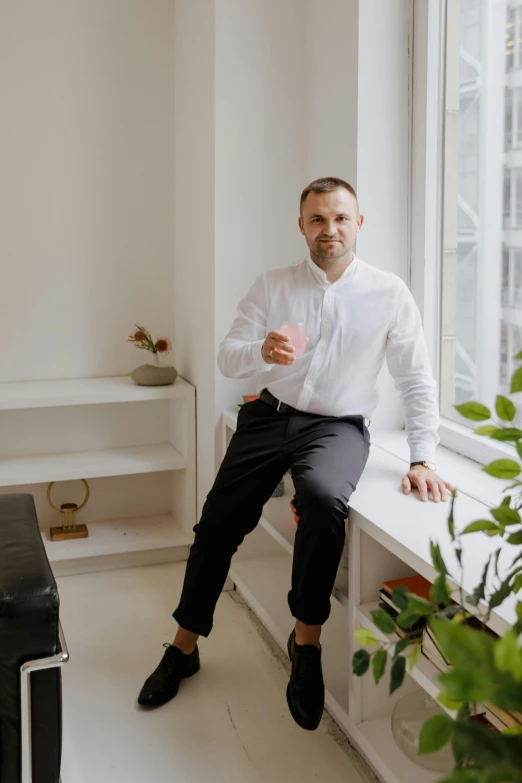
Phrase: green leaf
(448, 701)
(400, 646)
(502, 468)
(435, 733)
(451, 518)
(512, 731)
(505, 408)
(518, 355)
(508, 655)
(506, 516)
(383, 621)
(486, 429)
(479, 591)
(439, 591)
(379, 665)
(500, 595)
(474, 741)
(464, 776)
(360, 662)
(474, 411)
(518, 447)
(515, 538)
(437, 560)
(516, 381)
(458, 552)
(517, 584)
(414, 656)
(506, 434)
(417, 607)
(462, 644)
(480, 524)
(497, 555)
(398, 671)
(506, 501)
(469, 684)
(365, 637)
(400, 597)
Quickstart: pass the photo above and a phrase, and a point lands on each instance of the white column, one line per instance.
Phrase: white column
(489, 260)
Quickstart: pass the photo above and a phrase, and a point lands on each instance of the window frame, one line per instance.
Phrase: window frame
(427, 166)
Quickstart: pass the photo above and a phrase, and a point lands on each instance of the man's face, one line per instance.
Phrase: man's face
(330, 223)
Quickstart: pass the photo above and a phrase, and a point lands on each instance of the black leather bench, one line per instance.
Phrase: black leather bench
(32, 649)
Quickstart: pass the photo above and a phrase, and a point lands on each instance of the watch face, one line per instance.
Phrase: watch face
(431, 465)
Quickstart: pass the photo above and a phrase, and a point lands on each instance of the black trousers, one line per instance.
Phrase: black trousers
(327, 456)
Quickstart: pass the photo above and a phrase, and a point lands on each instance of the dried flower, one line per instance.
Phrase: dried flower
(141, 338)
(163, 345)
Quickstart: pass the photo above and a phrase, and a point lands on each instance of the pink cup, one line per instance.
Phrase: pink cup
(297, 336)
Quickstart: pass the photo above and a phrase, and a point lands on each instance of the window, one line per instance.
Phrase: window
(481, 248)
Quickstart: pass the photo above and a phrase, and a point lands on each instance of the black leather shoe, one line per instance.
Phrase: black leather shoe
(163, 683)
(305, 692)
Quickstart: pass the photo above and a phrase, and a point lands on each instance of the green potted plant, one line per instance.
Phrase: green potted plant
(483, 668)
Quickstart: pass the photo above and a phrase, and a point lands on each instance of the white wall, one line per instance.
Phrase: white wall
(330, 85)
(194, 219)
(383, 154)
(260, 154)
(86, 185)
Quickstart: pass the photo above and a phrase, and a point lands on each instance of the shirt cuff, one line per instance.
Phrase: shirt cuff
(422, 453)
(258, 362)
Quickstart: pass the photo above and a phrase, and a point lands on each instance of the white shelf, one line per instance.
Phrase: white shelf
(230, 419)
(86, 391)
(424, 673)
(376, 740)
(90, 464)
(278, 520)
(268, 599)
(115, 536)
(119, 542)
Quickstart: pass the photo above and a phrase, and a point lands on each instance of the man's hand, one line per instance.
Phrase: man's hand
(424, 479)
(277, 349)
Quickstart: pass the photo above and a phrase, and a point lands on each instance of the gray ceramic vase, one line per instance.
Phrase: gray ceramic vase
(155, 373)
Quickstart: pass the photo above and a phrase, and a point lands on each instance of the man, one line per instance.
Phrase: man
(311, 417)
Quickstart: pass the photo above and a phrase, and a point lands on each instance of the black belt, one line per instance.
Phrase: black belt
(282, 407)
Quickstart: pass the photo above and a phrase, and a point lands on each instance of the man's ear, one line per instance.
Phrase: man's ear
(360, 221)
(301, 225)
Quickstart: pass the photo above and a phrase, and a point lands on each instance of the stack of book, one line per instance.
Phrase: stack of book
(414, 584)
(500, 719)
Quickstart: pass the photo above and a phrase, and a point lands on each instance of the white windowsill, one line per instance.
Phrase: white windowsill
(464, 473)
(458, 438)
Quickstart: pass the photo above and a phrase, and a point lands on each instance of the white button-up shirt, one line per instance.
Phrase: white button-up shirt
(352, 325)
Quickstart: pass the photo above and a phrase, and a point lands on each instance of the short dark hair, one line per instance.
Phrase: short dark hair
(326, 185)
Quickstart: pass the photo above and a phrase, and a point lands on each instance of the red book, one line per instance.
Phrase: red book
(414, 584)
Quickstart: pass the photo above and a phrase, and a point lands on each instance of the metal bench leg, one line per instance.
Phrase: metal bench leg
(25, 691)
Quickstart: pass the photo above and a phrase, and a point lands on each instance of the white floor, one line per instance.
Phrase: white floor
(230, 722)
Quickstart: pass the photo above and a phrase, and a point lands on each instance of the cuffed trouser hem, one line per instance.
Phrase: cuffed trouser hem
(308, 616)
(202, 629)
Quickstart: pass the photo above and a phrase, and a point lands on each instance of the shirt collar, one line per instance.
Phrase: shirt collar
(320, 276)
